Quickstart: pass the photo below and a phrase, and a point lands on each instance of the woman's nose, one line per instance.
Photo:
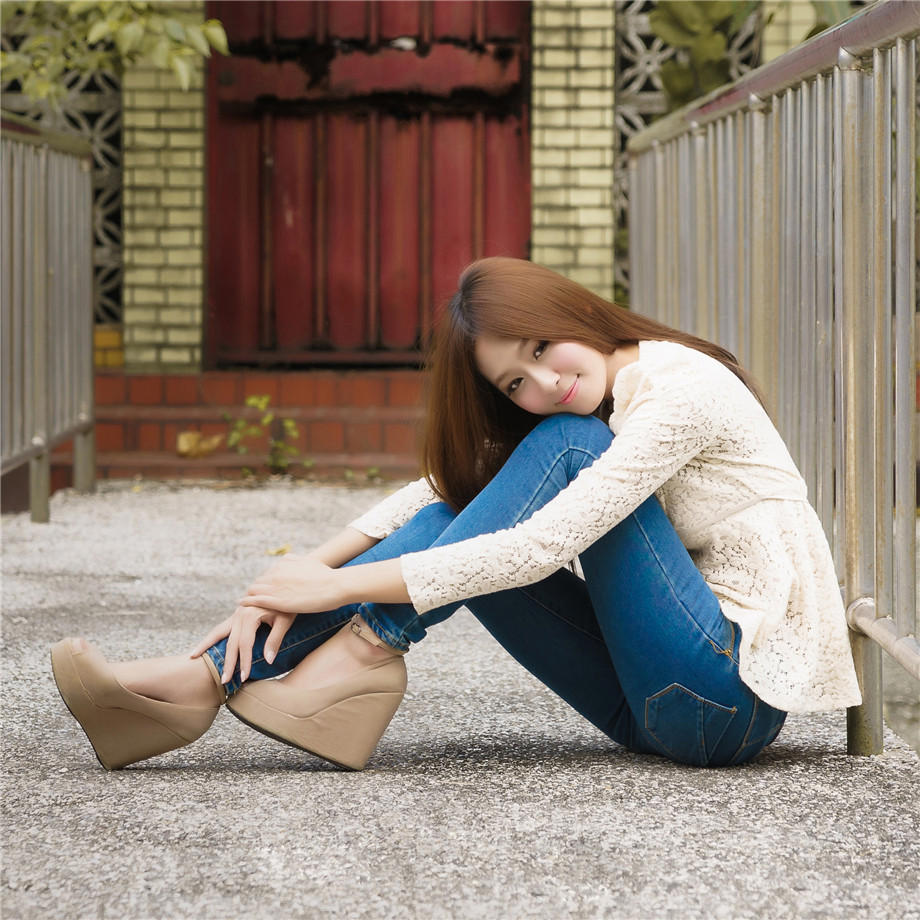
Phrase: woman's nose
(547, 378)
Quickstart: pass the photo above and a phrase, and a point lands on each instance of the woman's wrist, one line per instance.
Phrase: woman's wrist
(374, 582)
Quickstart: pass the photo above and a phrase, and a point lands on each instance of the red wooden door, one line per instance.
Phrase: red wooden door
(359, 155)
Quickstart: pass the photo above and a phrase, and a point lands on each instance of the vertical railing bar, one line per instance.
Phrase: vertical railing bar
(6, 300)
(792, 373)
(692, 319)
(712, 235)
(882, 310)
(62, 295)
(745, 234)
(841, 510)
(720, 196)
(668, 307)
(729, 230)
(685, 266)
(824, 348)
(675, 292)
(14, 161)
(762, 258)
(864, 723)
(776, 163)
(40, 464)
(659, 289)
(28, 212)
(739, 294)
(807, 346)
(649, 230)
(783, 305)
(905, 354)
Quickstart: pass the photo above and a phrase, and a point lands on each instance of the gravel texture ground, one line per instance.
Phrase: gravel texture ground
(486, 798)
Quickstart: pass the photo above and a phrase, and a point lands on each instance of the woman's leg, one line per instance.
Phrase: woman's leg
(674, 651)
(542, 465)
(309, 631)
(643, 650)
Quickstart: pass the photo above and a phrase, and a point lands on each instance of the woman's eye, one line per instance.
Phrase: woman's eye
(541, 347)
(513, 385)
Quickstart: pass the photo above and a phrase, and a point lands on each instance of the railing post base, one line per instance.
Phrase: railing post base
(865, 725)
(84, 461)
(40, 487)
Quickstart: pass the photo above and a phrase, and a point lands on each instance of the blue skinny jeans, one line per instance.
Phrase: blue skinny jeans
(639, 647)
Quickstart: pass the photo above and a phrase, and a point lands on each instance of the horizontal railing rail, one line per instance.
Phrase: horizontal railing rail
(47, 305)
(776, 216)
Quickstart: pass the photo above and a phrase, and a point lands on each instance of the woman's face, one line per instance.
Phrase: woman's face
(546, 377)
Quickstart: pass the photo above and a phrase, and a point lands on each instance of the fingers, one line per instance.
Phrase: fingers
(247, 638)
(279, 628)
(212, 638)
(262, 601)
(232, 651)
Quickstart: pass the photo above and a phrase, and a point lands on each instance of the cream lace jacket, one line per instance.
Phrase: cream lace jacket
(688, 431)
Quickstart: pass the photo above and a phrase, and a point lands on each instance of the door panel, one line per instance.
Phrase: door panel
(351, 176)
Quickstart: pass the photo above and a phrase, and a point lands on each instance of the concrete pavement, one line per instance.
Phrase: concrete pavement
(486, 798)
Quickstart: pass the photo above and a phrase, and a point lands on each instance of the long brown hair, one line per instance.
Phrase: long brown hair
(471, 428)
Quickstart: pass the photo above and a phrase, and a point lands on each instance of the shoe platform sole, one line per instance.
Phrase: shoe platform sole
(329, 734)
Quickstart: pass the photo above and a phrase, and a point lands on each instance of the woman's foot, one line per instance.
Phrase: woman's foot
(173, 679)
(336, 703)
(346, 653)
(123, 726)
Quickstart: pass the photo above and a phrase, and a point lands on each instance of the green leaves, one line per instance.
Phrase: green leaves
(700, 30)
(267, 430)
(91, 35)
(828, 13)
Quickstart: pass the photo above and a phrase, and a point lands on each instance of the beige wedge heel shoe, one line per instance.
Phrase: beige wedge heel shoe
(341, 723)
(122, 726)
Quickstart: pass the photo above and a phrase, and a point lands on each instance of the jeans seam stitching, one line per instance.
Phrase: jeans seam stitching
(540, 603)
(664, 572)
(570, 449)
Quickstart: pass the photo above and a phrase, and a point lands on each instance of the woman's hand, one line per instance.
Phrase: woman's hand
(239, 630)
(296, 584)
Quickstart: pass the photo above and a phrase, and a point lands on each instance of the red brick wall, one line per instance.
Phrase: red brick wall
(347, 420)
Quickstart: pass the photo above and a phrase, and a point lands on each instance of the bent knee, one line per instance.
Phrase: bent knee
(582, 431)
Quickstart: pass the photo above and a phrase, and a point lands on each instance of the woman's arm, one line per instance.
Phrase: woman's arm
(342, 548)
(301, 584)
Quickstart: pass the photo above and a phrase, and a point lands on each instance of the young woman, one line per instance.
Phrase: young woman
(709, 606)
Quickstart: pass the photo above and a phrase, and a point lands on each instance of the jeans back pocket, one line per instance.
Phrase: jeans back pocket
(686, 726)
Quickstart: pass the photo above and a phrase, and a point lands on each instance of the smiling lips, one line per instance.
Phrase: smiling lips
(569, 394)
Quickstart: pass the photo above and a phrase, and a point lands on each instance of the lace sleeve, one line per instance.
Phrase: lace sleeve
(672, 415)
(391, 513)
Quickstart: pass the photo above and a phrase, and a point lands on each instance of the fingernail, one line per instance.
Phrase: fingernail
(243, 677)
(269, 655)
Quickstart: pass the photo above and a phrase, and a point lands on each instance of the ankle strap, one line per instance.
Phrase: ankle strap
(360, 628)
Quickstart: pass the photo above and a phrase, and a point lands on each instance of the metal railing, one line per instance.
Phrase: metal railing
(46, 303)
(776, 216)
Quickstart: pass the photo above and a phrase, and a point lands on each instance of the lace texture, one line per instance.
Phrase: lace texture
(688, 431)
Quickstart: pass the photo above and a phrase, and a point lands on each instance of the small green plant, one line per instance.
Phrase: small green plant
(281, 454)
(700, 31)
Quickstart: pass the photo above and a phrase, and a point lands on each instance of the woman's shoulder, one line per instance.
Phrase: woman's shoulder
(666, 354)
(661, 361)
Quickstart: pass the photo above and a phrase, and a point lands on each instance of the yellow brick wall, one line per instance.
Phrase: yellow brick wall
(573, 140)
(108, 346)
(164, 180)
